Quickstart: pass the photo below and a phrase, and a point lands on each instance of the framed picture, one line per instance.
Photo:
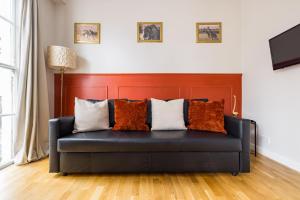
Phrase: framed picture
(87, 33)
(149, 31)
(209, 32)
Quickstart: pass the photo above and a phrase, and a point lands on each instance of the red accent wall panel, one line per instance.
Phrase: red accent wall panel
(141, 86)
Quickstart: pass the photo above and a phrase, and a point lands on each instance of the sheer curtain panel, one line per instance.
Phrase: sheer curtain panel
(31, 135)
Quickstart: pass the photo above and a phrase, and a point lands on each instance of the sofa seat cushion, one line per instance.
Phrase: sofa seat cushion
(155, 141)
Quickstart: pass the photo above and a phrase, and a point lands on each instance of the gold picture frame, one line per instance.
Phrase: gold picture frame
(155, 29)
(87, 33)
(209, 32)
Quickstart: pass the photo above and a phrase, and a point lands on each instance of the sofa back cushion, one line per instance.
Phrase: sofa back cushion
(206, 116)
(130, 115)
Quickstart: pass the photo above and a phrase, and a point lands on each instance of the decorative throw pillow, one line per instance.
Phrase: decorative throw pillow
(130, 115)
(90, 116)
(186, 108)
(167, 115)
(207, 116)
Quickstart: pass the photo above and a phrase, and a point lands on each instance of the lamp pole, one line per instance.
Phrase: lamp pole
(62, 70)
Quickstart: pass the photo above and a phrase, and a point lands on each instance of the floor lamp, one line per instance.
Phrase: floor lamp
(61, 59)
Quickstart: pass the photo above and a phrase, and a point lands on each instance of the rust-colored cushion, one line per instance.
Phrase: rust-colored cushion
(207, 116)
(130, 116)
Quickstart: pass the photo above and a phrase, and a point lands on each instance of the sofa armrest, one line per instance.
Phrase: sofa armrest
(57, 128)
(240, 128)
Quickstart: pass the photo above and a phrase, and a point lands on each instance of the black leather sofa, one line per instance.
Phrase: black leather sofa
(156, 151)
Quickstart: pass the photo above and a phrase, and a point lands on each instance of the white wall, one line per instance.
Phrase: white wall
(119, 51)
(270, 97)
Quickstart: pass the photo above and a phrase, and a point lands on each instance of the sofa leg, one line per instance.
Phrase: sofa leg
(63, 174)
(235, 173)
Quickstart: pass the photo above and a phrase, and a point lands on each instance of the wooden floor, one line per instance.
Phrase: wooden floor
(268, 180)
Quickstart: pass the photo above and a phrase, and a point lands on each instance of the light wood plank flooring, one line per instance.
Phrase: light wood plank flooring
(268, 180)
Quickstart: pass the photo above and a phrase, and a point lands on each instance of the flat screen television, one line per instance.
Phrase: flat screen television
(285, 48)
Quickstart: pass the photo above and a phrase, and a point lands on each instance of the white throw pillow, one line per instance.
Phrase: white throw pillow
(167, 115)
(90, 116)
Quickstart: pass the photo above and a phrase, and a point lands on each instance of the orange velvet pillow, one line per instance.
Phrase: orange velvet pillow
(207, 116)
(131, 116)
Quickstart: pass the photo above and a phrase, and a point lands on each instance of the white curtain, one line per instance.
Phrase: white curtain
(31, 133)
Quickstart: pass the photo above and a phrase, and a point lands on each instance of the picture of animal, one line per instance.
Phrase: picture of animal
(87, 33)
(149, 32)
(209, 32)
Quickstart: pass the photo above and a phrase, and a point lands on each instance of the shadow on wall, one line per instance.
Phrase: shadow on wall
(81, 62)
(289, 68)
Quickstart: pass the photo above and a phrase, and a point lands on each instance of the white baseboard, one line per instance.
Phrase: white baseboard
(4, 165)
(278, 158)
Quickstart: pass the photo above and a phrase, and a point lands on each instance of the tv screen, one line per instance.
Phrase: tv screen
(285, 48)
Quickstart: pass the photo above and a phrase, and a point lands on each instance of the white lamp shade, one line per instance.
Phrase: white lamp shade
(61, 57)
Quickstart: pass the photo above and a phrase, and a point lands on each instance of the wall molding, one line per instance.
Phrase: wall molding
(141, 86)
(59, 1)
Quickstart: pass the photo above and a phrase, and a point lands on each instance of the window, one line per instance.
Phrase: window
(7, 79)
